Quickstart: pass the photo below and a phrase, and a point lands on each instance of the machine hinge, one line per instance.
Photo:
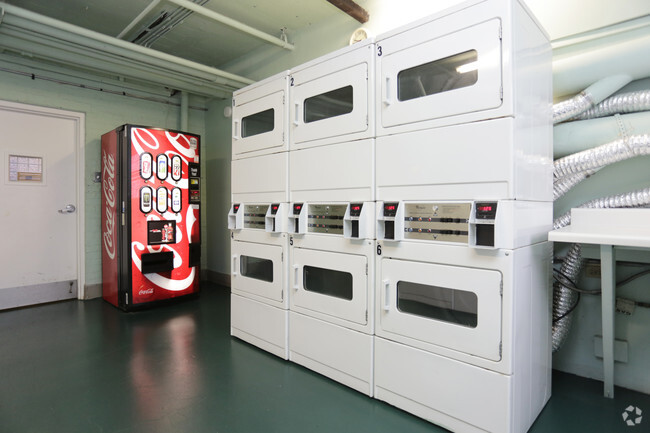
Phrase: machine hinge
(282, 296)
(366, 268)
(282, 257)
(501, 288)
(233, 102)
(123, 213)
(366, 316)
(126, 298)
(500, 349)
(282, 99)
(500, 32)
(283, 137)
(501, 93)
(366, 120)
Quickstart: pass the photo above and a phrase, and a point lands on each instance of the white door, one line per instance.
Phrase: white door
(258, 126)
(40, 212)
(422, 80)
(450, 306)
(331, 284)
(257, 271)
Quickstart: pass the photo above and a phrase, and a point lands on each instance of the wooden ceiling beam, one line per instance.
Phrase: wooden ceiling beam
(352, 9)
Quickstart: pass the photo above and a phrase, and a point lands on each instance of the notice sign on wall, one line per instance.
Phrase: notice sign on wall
(25, 169)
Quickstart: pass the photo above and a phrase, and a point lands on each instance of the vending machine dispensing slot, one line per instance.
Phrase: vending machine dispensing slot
(157, 262)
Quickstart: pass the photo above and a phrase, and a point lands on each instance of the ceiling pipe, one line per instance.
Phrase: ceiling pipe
(103, 64)
(63, 39)
(102, 42)
(232, 23)
(185, 111)
(134, 52)
(141, 89)
(139, 18)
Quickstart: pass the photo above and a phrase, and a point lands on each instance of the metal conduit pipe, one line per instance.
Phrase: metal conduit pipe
(139, 18)
(172, 20)
(232, 23)
(106, 65)
(592, 95)
(132, 52)
(23, 64)
(185, 110)
(98, 41)
(623, 103)
(576, 136)
(564, 298)
(61, 52)
(619, 150)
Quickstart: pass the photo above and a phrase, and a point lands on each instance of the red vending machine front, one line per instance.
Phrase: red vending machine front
(151, 196)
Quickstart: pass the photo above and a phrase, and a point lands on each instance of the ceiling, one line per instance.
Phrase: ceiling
(166, 27)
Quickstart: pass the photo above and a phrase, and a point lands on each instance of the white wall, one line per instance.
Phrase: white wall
(104, 112)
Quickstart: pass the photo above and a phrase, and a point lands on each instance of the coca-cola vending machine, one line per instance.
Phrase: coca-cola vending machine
(151, 239)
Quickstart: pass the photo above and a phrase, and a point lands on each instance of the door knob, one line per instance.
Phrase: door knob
(68, 209)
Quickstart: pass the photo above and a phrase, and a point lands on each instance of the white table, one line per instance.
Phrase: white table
(611, 229)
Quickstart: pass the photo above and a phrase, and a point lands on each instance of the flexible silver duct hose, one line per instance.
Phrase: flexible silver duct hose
(592, 95)
(623, 103)
(564, 184)
(563, 297)
(571, 107)
(635, 145)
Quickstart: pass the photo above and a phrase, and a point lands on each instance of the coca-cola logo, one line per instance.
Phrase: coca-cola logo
(145, 292)
(108, 188)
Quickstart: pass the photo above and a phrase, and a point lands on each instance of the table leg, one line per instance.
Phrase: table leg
(608, 287)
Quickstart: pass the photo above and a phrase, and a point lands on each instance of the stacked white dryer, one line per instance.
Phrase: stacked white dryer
(258, 216)
(464, 202)
(332, 215)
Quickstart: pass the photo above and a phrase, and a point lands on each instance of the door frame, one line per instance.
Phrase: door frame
(79, 120)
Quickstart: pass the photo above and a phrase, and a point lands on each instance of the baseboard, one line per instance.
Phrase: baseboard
(218, 278)
(92, 291)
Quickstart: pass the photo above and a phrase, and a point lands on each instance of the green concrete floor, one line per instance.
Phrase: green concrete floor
(88, 367)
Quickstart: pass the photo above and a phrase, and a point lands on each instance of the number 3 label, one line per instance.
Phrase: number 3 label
(379, 51)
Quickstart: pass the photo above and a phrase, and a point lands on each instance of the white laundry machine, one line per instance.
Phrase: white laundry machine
(481, 59)
(259, 297)
(332, 98)
(260, 114)
(332, 290)
(462, 319)
(463, 106)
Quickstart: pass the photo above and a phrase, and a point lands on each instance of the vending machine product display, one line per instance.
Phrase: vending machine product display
(150, 219)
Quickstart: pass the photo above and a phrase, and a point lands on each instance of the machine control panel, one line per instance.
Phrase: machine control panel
(425, 221)
(326, 218)
(254, 216)
(445, 222)
(350, 220)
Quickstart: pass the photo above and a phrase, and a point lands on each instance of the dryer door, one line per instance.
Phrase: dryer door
(450, 306)
(258, 126)
(452, 74)
(329, 106)
(257, 270)
(330, 284)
